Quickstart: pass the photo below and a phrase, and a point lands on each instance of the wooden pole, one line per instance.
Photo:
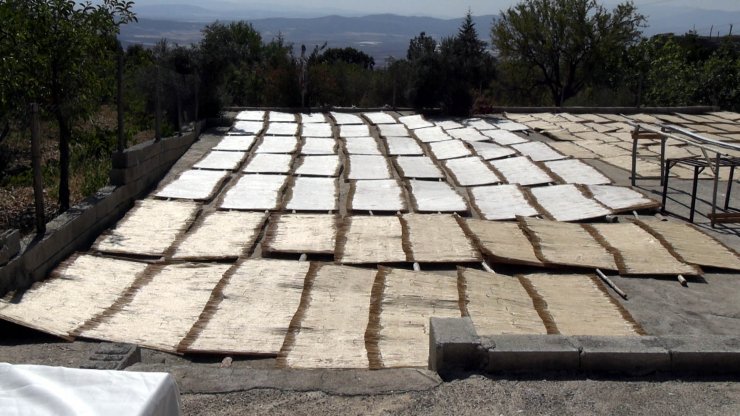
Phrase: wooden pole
(119, 82)
(611, 284)
(38, 185)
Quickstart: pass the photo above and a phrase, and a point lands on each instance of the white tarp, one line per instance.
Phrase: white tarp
(40, 390)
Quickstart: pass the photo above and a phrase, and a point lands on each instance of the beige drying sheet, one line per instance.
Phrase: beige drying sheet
(431, 196)
(379, 117)
(199, 185)
(319, 165)
(316, 130)
(236, 143)
(471, 171)
(498, 304)
(567, 203)
(521, 170)
(368, 167)
(329, 331)
(503, 242)
(269, 163)
(254, 310)
(222, 235)
(219, 160)
(621, 198)
(278, 144)
(490, 151)
(409, 299)
(78, 290)
(538, 151)
(431, 134)
(438, 238)
(449, 149)
(362, 146)
(418, 167)
(149, 229)
(405, 146)
(566, 244)
(367, 240)
(505, 138)
(318, 146)
(501, 202)
(301, 233)
(161, 312)
(376, 195)
(312, 194)
(637, 252)
(255, 192)
(578, 305)
(575, 171)
(693, 245)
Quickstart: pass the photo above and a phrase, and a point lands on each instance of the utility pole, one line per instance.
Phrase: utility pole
(119, 82)
(38, 185)
(158, 109)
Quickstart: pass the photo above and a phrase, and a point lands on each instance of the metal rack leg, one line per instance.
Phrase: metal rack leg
(729, 187)
(665, 187)
(693, 194)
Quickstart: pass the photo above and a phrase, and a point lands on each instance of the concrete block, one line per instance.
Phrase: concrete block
(622, 355)
(13, 276)
(531, 354)
(10, 245)
(114, 356)
(706, 355)
(453, 345)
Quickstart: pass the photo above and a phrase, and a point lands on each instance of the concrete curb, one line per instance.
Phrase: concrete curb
(134, 173)
(456, 347)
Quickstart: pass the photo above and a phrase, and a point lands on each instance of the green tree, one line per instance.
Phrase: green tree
(347, 55)
(59, 53)
(421, 46)
(569, 43)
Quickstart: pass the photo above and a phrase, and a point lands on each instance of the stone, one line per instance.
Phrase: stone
(531, 354)
(638, 355)
(453, 345)
(705, 355)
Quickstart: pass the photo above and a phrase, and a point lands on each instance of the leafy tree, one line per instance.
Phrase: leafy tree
(347, 55)
(569, 43)
(421, 46)
(59, 53)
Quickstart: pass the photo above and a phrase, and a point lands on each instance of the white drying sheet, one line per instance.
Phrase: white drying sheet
(316, 130)
(313, 194)
(278, 144)
(279, 117)
(269, 163)
(324, 165)
(40, 390)
(368, 167)
(521, 170)
(247, 127)
(511, 126)
(247, 115)
(397, 130)
(239, 143)
(415, 122)
(354, 130)
(346, 118)
(538, 151)
(418, 167)
(282, 129)
(362, 146)
(379, 118)
(620, 198)
(430, 196)
(567, 203)
(218, 160)
(403, 146)
(448, 124)
(377, 195)
(319, 146)
(468, 134)
(432, 134)
(193, 184)
(575, 171)
(449, 149)
(490, 151)
(254, 192)
(481, 124)
(313, 118)
(504, 138)
(501, 202)
(471, 171)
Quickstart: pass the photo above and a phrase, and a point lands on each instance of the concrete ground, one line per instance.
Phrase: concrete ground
(707, 306)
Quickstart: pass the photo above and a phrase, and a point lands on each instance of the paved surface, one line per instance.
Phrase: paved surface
(662, 306)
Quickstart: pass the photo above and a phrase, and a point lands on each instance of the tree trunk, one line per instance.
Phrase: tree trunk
(65, 134)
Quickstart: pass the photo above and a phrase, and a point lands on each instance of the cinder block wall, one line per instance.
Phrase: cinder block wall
(135, 171)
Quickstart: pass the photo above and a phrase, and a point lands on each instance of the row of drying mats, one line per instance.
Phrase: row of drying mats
(409, 164)
(182, 277)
